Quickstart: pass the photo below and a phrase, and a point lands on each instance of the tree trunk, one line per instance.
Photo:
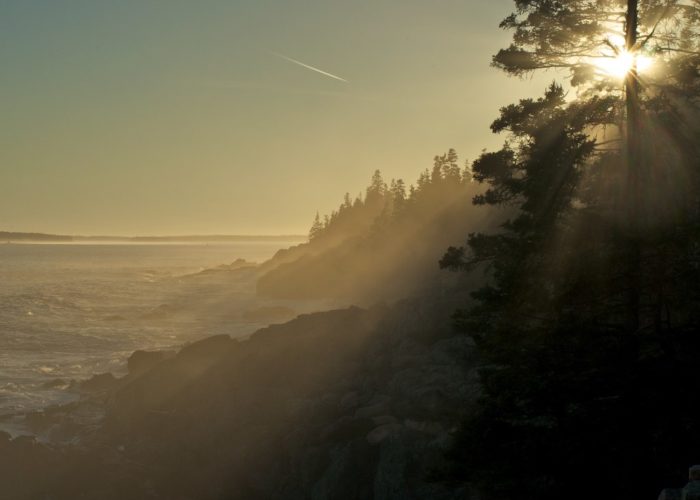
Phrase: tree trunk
(632, 116)
(634, 174)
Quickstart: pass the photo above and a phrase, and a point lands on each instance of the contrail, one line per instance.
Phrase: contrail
(330, 75)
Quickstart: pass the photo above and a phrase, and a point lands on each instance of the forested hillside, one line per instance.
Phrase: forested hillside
(384, 245)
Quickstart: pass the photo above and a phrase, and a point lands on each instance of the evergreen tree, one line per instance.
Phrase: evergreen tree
(316, 228)
(423, 181)
(376, 190)
(450, 167)
(605, 46)
(650, 179)
(397, 190)
(436, 173)
(589, 326)
(567, 384)
(358, 201)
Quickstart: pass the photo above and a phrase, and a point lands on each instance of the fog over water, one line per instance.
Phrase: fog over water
(68, 311)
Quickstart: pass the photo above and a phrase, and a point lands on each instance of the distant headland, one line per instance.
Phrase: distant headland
(12, 237)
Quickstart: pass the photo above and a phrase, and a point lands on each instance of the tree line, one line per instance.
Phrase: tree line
(384, 203)
(382, 245)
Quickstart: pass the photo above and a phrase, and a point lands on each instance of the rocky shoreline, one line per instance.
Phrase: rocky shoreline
(346, 404)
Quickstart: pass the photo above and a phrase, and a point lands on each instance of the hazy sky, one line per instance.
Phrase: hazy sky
(181, 117)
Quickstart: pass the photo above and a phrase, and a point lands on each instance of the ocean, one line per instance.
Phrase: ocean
(68, 311)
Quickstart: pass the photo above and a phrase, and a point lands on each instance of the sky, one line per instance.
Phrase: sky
(167, 117)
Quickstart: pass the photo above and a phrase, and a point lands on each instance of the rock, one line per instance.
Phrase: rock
(211, 347)
(141, 361)
(329, 400)
(427, 427)
(239, 263)
(378, 399)
(432, 386)
(406, 459)
(379, 434)
(349, 473)
(407, 353)
(306, 410)
(391, 480)
(99, 383)
(350, 401)
(385, 419)
(233, 266)
(375, 410)
(458, 348)
(346, 429)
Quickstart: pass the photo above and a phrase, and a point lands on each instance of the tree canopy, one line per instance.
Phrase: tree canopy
(589, 325)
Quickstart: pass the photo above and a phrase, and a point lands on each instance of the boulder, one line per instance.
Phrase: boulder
(141, 361)
(346, 429)
(379, 434)
(375, 410)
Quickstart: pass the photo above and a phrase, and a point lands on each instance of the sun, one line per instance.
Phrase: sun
(621, 64)
(617, 62)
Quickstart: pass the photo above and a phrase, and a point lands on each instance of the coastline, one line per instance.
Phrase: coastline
(334, 403)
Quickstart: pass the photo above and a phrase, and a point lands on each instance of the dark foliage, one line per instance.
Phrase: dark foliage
(588, 329)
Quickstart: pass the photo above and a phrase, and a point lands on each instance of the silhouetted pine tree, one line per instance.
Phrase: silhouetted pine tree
(316, 228)
(589, 328)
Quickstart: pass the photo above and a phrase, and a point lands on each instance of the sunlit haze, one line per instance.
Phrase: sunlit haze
(617, 62)
(349, 249)
(240, 117)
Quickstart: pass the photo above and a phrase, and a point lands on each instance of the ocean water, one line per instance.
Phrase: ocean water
(68, 311)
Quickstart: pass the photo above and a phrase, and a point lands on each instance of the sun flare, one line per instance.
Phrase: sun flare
(620, 65)
(617, 62)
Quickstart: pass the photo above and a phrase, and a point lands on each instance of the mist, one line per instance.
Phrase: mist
(166, 381)
(350, 250)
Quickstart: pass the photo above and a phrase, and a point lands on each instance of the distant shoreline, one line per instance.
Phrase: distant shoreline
(15, 237)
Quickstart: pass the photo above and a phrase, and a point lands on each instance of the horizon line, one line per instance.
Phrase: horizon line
(146, 236)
